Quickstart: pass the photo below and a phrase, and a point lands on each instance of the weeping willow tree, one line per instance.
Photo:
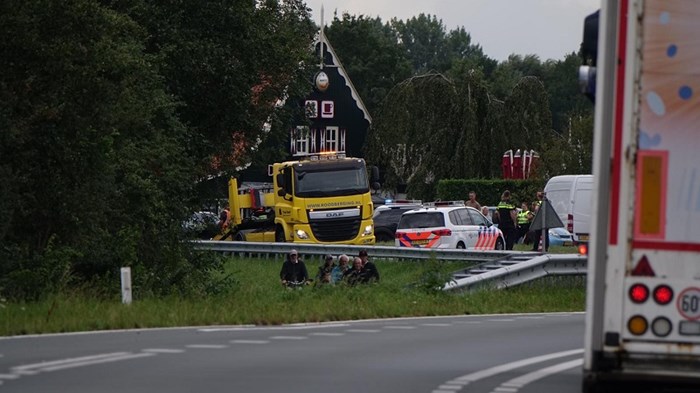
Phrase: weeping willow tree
(413, 138)
(572, 151)
(431, 127)
(529, 117)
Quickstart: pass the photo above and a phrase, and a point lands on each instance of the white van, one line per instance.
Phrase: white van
(570, 195)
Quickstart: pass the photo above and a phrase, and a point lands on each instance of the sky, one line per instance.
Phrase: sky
(549, 29)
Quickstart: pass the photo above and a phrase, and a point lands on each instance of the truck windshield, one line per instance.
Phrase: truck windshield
(331, 180)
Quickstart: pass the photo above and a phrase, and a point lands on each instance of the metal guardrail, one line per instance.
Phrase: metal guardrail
(494, 269)
(376, 252)
(499, 276)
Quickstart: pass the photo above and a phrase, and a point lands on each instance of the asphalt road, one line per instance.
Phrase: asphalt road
(525, 353)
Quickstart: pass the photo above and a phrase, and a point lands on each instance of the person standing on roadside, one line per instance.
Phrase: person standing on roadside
(525, 216)
(508, 219)
(471, 202)
(293, 269)
(369, 269)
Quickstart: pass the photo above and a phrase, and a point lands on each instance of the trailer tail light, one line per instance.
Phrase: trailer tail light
(639, 293)
(442, 232)
(661, 326)
(637, 325)
(663, 294)
(570, 223)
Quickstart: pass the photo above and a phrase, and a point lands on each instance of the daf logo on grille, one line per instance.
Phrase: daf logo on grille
(334, 214)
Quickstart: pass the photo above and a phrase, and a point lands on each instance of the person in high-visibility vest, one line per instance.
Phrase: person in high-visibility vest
(525, 217)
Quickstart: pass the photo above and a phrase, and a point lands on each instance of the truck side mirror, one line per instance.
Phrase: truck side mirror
(589, 55)
(280, 180)
(376, 186)
(375, 174)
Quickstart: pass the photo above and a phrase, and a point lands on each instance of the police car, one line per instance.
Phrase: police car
(448, 225)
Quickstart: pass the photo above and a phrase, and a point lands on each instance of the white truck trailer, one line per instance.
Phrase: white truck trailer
(643, 291)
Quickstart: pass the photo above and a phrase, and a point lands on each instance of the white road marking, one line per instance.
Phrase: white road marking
(327, 334)
(501, 389)
(295, 326)
(162, 350)
(288, 338)
(363, 330)
(469, 322)
(450, 387)
(516, 383)
(82, 359)
(206, 346)
(489, 372)
(436, 324)
(528, 317)
(502, 320)
(32, 369)
(399, 327)
(26, 372)
(9, 376)
(249, 341)
(107, 360)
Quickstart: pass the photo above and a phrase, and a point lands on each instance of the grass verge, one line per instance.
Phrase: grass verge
(407, 288)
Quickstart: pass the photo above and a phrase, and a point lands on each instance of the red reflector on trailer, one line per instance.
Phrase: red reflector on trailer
(663, 294)
(639, 293)
(643, 268)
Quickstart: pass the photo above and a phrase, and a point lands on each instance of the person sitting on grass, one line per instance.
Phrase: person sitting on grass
(354, 276)
(324, 271)
(293, 270)
(369, 269)
(338, 271)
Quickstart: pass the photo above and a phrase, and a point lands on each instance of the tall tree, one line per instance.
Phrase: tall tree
(563, 89)
(90, 148)
(227, 62)
(424, 40)
(415, 134)
(370, 54)
(111, 111)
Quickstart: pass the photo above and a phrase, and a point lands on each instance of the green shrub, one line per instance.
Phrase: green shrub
(488, 191)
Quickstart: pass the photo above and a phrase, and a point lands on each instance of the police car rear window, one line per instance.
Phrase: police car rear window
(422, 220)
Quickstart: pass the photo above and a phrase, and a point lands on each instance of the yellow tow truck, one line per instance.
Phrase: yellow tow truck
(323, 198)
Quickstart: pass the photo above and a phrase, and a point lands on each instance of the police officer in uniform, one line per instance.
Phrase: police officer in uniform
(525, 216)
(508, 219)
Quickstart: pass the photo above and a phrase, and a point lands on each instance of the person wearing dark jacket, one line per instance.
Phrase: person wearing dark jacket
(508, 219)
(293, 269)
(354, 276)
(369, 269)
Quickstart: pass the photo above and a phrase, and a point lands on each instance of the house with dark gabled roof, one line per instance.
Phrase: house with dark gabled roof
(338, 119)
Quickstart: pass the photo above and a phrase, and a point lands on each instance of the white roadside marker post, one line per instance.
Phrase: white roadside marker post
(126, 285)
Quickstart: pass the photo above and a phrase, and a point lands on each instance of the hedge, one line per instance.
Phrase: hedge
(488, 191)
